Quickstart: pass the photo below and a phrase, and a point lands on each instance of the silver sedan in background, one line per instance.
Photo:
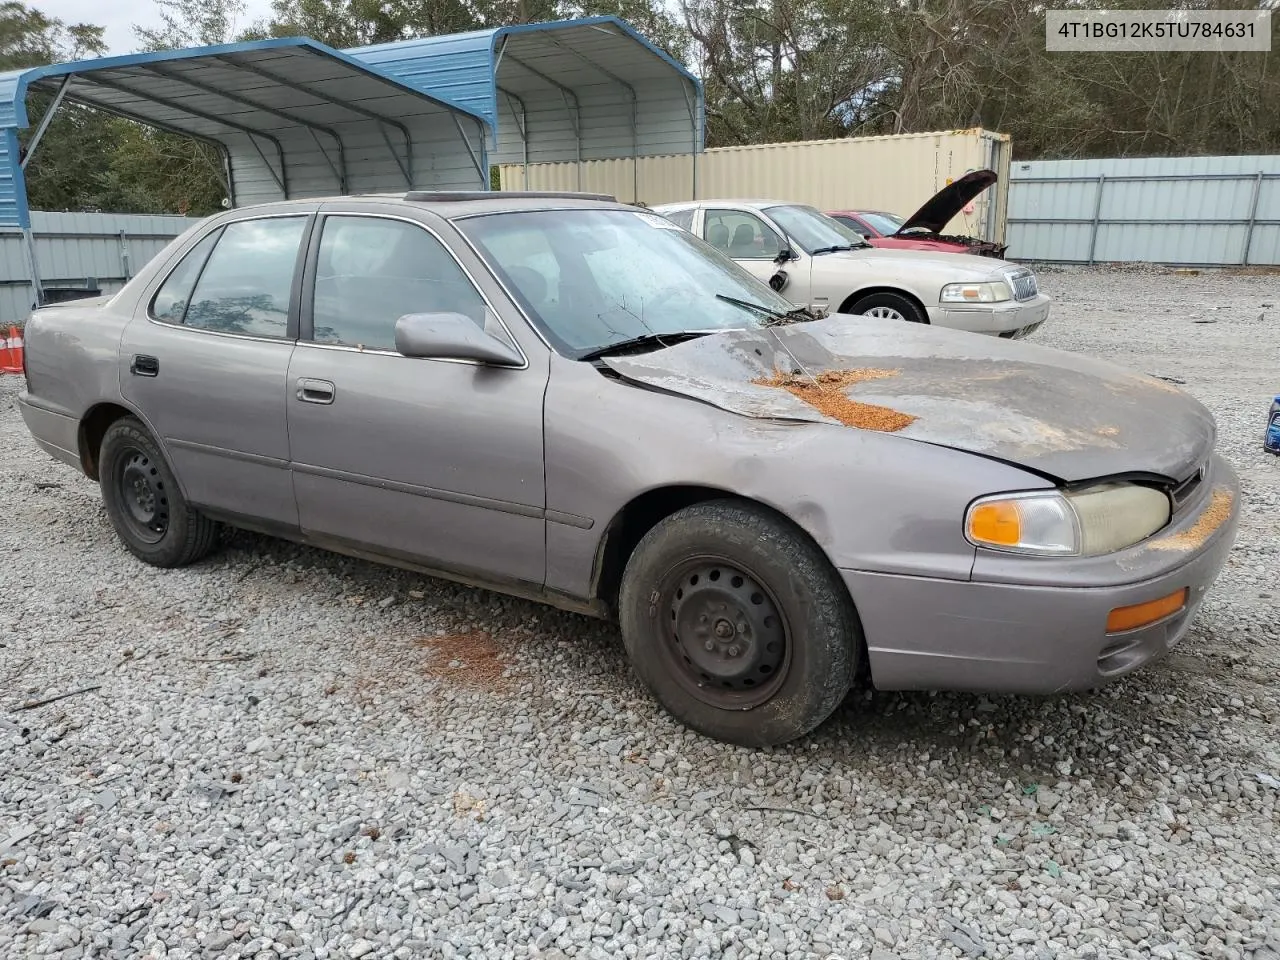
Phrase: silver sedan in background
(819, 263)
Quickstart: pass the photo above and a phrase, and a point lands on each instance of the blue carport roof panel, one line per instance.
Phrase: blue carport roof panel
(562, 90)
(295, 118)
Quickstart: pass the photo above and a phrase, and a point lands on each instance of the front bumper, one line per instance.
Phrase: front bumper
(1010, 319)
(927, 634)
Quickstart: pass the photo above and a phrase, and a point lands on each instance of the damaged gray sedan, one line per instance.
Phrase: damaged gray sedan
(572, 400)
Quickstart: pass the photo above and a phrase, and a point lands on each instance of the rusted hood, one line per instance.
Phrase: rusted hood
(1060, 414)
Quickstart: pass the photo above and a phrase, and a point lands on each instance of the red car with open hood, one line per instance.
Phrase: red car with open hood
(923, 229)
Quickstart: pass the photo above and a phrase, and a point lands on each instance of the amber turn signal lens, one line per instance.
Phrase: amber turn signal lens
(1142, 614)
(997, 523)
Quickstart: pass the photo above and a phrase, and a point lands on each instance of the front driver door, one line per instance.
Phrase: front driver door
(439, 462)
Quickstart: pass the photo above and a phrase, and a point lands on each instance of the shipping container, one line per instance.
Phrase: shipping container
(892, 173)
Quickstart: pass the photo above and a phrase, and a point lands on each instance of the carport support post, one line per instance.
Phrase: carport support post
(47, 119)
(125, 265)
(33, 270)
(1097, 215)
(1253, 219)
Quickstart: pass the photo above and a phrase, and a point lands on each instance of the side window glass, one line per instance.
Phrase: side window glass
(682, 218)
(742, 236)
(245, 285)
(170, 303)
(530, 265)
(371, 272)
(853, 225)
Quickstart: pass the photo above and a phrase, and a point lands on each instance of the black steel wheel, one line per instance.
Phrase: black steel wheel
(144, 502)
(738, 624)
(728, 638)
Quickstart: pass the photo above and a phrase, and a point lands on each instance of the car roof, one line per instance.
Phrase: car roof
(725, 202)
(452, 204)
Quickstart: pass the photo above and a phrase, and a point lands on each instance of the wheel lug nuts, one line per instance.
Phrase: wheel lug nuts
(734, 651)
(710, 646)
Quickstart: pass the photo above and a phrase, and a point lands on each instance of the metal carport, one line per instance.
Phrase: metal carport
(292, 118)
(563, 91)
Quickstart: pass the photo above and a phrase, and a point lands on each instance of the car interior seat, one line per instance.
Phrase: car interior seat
(718, 236)
(744, 241)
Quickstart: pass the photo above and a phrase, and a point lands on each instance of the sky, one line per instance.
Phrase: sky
(119, 16)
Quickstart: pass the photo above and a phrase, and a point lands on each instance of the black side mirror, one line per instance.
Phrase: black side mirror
(784, 255)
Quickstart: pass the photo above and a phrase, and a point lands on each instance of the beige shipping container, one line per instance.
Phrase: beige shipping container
(892, 173)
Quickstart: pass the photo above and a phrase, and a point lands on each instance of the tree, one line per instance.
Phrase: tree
(192, 23)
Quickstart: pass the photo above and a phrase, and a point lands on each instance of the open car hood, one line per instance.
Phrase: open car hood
(943, 206)
(1063, 416)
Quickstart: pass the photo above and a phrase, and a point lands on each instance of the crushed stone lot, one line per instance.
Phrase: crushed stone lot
(284, 753)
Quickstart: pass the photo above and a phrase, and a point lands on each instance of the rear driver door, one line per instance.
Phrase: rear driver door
(205, 361)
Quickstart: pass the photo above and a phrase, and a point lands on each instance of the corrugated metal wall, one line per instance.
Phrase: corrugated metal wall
(71, 247)
(1204, 211)
(896, 173)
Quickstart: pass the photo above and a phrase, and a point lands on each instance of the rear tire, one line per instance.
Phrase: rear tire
(144, 503)
(738, 624)
(890, 306)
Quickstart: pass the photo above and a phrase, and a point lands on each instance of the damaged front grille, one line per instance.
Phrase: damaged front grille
(1024, 284)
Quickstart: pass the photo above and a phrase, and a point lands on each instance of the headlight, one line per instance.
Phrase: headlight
(1084, 523)
(993, 292)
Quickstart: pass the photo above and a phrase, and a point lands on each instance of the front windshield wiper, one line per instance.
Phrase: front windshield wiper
(778, 317)
(645, 340)
(836, 248)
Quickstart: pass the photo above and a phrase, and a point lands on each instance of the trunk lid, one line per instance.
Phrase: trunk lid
(943, 206)
(1064, 416)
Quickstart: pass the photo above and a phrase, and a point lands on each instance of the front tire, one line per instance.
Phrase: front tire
(738, 624)
(143, 501)
(890, 306)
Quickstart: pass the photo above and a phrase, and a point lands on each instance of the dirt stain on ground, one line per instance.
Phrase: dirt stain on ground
(1214, 516)
(825, 393)
(472, 658)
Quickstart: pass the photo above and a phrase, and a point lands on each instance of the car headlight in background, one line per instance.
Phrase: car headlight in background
(995, 291)
(1084, 523)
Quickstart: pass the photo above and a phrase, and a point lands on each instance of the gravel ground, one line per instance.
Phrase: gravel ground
(291, 754)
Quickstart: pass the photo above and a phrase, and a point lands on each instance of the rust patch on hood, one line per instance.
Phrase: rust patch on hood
(825, 393)
(1214, 516)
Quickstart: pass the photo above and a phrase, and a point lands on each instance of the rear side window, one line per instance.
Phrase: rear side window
(682, 218)
(246, 283)
(372, 271)
(170, 304)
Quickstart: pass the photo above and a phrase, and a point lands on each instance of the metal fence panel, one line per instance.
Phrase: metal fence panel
(72, 248)
(1204, 211)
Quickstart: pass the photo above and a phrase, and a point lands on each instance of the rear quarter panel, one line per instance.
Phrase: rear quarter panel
(72, 355)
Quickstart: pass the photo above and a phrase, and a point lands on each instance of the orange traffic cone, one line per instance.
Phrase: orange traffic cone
(11, 356)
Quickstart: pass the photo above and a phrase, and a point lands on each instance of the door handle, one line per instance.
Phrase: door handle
(315, 391)
(144, 366)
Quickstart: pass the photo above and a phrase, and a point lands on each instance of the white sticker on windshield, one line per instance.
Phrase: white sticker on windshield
(654, 220)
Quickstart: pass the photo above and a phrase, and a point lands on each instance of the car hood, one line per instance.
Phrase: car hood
(1064, 416)
(961, 265)
(943, 206)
